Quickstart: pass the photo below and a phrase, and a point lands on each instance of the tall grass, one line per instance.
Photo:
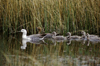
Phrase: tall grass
(58, 15)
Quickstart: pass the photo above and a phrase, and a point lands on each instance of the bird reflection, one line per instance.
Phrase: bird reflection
(88, 42)
(69, 42)
(54, 41)
(24, 43)
(58, 41)
(93, 39)
(83, 41)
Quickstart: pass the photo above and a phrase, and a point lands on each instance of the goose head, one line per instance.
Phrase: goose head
(24, 35)
(24, 31)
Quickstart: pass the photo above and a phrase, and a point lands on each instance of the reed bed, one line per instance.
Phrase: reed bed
(51, 15)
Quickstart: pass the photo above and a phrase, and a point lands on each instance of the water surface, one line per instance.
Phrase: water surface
(17, 52)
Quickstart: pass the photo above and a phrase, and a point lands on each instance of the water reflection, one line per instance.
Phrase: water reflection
(24, 42)
(92, 42)
(54, 42)
(82, 41)
(50, 52)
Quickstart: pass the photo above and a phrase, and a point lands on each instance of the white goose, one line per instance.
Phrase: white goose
(31, 37)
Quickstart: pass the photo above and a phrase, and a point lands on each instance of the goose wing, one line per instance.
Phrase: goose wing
(37, 35)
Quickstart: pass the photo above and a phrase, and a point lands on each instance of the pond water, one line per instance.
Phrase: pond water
(17, 52)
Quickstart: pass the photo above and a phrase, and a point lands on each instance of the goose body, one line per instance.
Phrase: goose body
(58, 37)
(48, 35)
(91, 36)
(72, 37)
(93, 39)
(31, 37)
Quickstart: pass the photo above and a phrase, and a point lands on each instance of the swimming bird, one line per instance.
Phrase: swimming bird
(92, 39)
(58, 37)
(92, 36)
(72, 37)
(32, 37)
(48, 35)
(83, 35)
(38, 30)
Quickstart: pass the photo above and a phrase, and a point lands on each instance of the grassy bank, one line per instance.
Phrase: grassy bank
(58, 15)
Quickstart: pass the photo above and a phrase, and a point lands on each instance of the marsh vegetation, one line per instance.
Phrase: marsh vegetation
(59, 15)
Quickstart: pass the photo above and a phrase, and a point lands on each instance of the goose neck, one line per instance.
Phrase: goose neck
(24, 36)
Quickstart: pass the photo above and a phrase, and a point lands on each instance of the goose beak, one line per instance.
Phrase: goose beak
(18, 31)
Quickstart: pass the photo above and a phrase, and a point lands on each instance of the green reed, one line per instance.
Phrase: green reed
(59, 15)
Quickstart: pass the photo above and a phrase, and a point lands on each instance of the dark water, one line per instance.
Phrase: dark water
(17, 52)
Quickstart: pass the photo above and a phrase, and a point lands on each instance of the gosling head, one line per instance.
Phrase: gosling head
(38, 30)
(68, 33)
(54, 33)
(83, 32)
(87, 34)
